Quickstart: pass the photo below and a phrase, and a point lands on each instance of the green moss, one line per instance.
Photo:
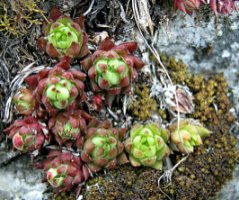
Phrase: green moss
(178, 70)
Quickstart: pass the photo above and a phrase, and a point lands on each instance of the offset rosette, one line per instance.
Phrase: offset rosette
(64, 36)
(190, 134)
(187, 6)
(64, 171)
(68, 127)
(27, 134)
(112, 68)
(24, 101)
(223, 6)
(147, 146)
(58, 88)
(102, 147)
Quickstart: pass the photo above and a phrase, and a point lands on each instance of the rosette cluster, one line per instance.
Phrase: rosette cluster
(53, 104)
(52, 101)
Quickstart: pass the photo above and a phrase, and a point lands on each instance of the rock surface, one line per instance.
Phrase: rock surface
(205, 46)
(18, 180)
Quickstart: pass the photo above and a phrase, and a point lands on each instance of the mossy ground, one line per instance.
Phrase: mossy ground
(200, 177)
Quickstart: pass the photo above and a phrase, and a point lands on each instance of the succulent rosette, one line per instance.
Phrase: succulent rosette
(188, 136)
(147, 146)
(58, 88)
(27, 134)
(69, 127)
(24, 101)
(187, 6)
(102, 147)
(112, 68)
(64, 36)
(64, 171)
(222, 6)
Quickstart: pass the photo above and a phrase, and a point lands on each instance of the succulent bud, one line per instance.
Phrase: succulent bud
(189, 135)
(59, 92)
(24, 101)
(64, 36)
(147, 145)
(27, 134)
(102, 148)
(53, 176)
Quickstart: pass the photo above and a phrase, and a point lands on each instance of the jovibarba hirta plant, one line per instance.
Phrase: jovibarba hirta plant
(68, 127)
(188, 136)
(64, 171)
(64, 36)
(102, 147)
(112, 68)
(58, 88)
(27, 134)
(147, 145)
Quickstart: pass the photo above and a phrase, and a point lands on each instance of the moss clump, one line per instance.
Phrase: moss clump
(116, 184)
(211, 94)
(144, 106)
(63, 196)
(178, 69)
(212, 101)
